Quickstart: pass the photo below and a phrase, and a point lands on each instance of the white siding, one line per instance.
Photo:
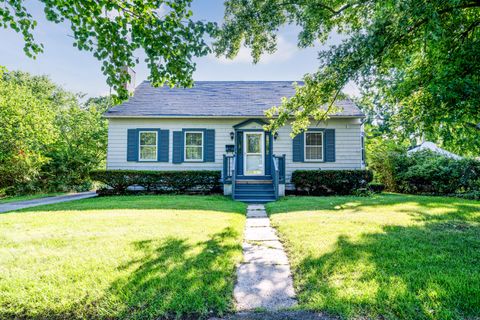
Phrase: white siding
(348, 147)
(347, 144)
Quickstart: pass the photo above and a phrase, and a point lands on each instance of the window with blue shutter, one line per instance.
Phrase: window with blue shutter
(147, 145)
(328, 143)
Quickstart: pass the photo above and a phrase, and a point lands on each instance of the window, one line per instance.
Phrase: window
(314, 146)
(147, 146)
(193, 146)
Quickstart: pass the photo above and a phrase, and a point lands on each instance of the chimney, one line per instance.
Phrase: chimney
(130, 86)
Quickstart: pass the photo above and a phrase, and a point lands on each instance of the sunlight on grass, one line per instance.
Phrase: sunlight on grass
(71, 260)
(393, 256)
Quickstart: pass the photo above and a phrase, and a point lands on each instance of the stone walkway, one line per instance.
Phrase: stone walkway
(264, 280)
(47, 200)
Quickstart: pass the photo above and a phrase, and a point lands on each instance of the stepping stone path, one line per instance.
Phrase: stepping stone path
(264, 280)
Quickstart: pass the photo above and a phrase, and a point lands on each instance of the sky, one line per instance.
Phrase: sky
(80, 72)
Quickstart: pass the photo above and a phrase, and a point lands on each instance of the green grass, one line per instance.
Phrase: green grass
(28, 197)
(388, 256)
(134, 257)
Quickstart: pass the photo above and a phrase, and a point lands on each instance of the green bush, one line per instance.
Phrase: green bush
(202, 181)
(376, 187)
(473, 195)
(330, 182)
(430, 173)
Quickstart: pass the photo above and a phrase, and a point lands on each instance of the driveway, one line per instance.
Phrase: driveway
(48, 200)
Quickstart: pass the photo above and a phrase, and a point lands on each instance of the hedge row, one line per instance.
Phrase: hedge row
(330, 182)
(430, 173)
(198, 181)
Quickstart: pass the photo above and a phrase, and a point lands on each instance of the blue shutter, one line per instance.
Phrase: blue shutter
(329, 145)
(177, 153)
(162, 145)
(132, 145)
(209, 147)
(239, 145)
(268, 152)
(298, 147)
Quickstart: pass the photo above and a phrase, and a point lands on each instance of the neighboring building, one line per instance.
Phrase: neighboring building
(218, 125)
(427, 145)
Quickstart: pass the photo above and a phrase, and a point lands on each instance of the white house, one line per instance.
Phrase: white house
(218, 125)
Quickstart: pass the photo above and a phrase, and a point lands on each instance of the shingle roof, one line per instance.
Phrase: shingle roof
(215, 99)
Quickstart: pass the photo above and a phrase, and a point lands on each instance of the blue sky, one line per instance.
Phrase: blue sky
(80, 71)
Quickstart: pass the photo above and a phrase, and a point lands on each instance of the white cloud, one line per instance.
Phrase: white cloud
(285, 51)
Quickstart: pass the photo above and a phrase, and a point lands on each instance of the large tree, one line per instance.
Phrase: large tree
(49, 141)
(113, 30)
(417, 61)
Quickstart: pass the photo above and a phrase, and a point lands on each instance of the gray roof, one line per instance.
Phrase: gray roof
(214, 99)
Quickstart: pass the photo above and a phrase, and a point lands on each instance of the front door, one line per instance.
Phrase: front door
(253, 153)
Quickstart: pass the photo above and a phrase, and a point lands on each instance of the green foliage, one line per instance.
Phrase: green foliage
(79, 148)
(376, 187)
(421, 172)
(329, 182)
(204, 181)
(427, 172)
(381, 159)
(416, 61)
(27, 121)
(113, 30)
(48, 141)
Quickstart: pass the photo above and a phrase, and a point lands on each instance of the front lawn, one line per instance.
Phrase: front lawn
(391, 256)
(121, 257)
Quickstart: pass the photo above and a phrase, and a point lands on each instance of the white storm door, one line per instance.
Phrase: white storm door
(253, 153)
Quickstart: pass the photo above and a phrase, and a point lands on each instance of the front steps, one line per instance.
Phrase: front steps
(254, 191)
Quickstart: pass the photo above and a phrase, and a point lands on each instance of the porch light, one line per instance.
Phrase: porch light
(275, 135)
(232, 135)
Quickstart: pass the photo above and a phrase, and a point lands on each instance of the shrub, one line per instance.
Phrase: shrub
(430, 173)
(330, 182)
(376, 187)
(383, 159)
(159, 181)
(473, 195)
(362, 192)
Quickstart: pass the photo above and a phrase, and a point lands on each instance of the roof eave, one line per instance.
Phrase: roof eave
(209, 116)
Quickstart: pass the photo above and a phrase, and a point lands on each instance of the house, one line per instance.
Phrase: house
(218, 125)
(430, 146)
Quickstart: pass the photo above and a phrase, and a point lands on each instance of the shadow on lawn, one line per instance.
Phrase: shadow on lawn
(174, 278)
(425, 271)
(145, 202)
(458, 209)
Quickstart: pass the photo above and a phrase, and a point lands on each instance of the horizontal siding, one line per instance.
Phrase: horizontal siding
(117, 146)
(347, 147)
(348, 152)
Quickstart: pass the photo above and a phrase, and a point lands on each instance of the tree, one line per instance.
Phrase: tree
(26, 119)
(417, 60)
(113, 30)
(80, 147)
(49, 141)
